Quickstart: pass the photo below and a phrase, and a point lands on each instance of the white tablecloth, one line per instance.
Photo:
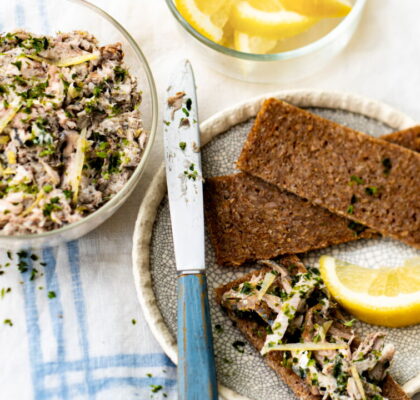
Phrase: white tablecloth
(82, 344)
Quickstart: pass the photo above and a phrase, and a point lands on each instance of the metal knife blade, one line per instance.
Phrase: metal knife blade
(183, 169)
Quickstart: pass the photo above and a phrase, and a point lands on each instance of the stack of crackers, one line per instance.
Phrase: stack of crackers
(309, 183)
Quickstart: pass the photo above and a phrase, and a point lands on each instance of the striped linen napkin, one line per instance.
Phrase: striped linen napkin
(71, 327)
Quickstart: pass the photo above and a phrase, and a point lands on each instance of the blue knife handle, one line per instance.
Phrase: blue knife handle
(196, 367)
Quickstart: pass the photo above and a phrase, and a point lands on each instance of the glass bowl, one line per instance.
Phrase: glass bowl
(281, 67)
(49, 17)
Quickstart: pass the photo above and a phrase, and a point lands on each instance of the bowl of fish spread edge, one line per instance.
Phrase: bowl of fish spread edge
(78, 111)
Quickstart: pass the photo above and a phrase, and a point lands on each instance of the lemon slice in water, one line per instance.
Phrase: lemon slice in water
(200, 21)
(318, 8)
(272, 25)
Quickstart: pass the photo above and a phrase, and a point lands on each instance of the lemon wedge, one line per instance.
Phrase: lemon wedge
(201, 22)
(272, 25)
(383, 296)
(318, 8)
(253, 44)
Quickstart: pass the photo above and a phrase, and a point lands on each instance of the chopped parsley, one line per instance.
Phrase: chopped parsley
(239, 346)
(116, 110)
(17, 64)
(8, 322)
(350, 209)
(156, 388)
(288, 310)
(4, 291)
(371, 190)
(188, 104)
(182, 145)
(120, 74)
(34, 271)
(387, 165)
(356, 227)
(349, 323)
(3, 89)
(22, 254)
(23, 267)
(355, 179)
(47, 188)
(52, 295)
(68, 194)
(114, 162)
(35, 92)
(167, 123)
(191, 173)
(246, 288)
(20, 80)
(98, 90)
(276, 326)
(37, 44)
(101, 154)
(133, 321)
(53, 205)
(185, 111)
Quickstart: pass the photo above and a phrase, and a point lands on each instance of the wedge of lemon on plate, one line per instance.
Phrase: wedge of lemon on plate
(383, 296)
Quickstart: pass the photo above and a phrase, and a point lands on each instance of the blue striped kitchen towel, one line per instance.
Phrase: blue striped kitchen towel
(72, 329)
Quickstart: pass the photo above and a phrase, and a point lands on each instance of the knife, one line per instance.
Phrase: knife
(196, 367)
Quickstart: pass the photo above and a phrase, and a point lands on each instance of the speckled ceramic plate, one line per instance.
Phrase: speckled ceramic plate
(244, 375)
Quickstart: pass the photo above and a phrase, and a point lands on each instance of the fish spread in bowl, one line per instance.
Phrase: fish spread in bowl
(71, 132)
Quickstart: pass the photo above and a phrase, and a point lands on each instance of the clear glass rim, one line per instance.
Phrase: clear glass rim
(299, 52)
(119, 197)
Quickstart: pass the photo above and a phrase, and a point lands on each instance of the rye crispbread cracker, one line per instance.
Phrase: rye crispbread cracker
(357, 176)
(249, 219)
(408, 138)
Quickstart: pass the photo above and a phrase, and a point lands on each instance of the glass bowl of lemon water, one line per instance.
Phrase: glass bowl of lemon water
(267, 40)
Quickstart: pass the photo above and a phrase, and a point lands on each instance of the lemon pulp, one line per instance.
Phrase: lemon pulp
(383, 296)
(257, 26)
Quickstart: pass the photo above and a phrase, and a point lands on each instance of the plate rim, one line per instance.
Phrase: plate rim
(210, 128)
